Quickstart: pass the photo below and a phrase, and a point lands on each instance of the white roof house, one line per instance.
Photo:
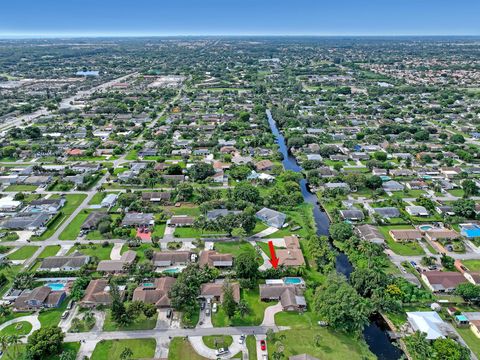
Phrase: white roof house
(109, 200)
(8, 204)
(428, 322)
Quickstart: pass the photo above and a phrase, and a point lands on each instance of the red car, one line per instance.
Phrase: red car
(263, 345)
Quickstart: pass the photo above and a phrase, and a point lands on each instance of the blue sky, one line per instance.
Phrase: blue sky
(249, 17)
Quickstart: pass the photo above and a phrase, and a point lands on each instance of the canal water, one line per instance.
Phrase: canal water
(375, 333)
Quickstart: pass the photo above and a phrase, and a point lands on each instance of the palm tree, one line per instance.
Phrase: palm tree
(126, 354)
(13, 341)
(4, 263)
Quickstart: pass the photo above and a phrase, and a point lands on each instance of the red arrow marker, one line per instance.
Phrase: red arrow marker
(273, 257)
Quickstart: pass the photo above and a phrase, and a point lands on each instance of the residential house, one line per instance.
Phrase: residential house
(98, 293)
(72, 262)
(271, 217)
(93, 219)
(109, 200)
(135, 219)
(160, 197)
(443, 281)
(118, 266)
(181, 220)
(405, 234)
(352, 215)
(415, 210)
(292, 256)
(370, 233)
(290, 296)
(215, 259)
(216, 213)
(215, 291)
(171, 258)
(26, 221)
(387, 212)
(441, 234)
(264, 165)
(392, 185)
(428, 322)
(38, 298)
(155, 293)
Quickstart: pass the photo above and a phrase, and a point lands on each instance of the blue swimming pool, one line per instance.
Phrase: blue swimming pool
(293, 280)
(171, 271)
(425, 227)
(56, 286)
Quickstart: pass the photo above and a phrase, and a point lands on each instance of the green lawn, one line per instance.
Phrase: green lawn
(410, 248)
(472, 341)
(235, 248)
(73, 229)
(20, 328)
(472, 265)
(97, 198)
(180, 349)
(221, 341)
(10, 273)
(457, 192)
(50, 250)
(72, 203)
(96, 250)
(140, 323)
(20, 187)
(66, 347)
(302, 216)
(332, 345)
(191, 232)
(257, 310)
(131, 155)
(252, 347)
(189, 210)
(23, 253)
(159, 230)
(111, 349)
(51, 317)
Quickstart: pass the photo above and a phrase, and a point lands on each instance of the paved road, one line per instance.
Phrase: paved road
(147, 334)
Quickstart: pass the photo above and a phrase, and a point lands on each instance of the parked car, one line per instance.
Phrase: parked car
(70, 305)
(221, 351)
(214, 307)
(413, 263)
(202, 305)
(207, 312)
(65, 314)
(263, 345)
(169, 313)
(242, 339)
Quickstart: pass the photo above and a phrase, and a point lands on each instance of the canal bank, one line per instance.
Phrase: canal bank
(376, 332)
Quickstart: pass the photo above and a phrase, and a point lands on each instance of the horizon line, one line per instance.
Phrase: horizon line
(27, 36)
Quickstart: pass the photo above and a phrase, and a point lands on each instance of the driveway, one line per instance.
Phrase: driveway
(204, 322)
(268, 231)
(86, 349)
(260, 352)
(266, 260)
(203, 350)
(269, 316)
(32, 319)
(115, 254)
(161, 350)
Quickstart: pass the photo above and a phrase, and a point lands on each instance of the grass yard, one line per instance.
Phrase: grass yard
(23, 253)
(159, 230)
(185, 209)
(191, 232)
(411, 248)
(52, 317)
(73, 229)
(140, 323)
(20, 328)
(235, 248)
(50, 250)
(180, 349)
(111, 349)
(221, 341)
(73, 202)
(66, 347)
(10, 273)
(252, 347)
(472, 265)
(303, 217)
(20, 187)
(257, 310)
(97, 198)
(96, 250)
(332, 345)
(472, 341)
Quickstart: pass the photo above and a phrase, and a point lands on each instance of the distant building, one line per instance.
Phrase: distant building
(271, 217)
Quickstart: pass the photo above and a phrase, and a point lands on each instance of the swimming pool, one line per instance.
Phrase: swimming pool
(425, 227)
(293, 280)
(171, 271)
(56, 286)
(149, 284)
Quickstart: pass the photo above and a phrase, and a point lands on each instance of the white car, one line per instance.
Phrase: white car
(221, 351)
(242, 339)
(214, 307)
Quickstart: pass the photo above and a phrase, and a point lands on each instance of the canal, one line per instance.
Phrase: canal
(375, 333)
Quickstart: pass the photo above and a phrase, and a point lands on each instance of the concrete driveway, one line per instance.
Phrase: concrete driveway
(260, 352)
(269, 316)
(32, 319)
(115, 253)
(203, 350)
